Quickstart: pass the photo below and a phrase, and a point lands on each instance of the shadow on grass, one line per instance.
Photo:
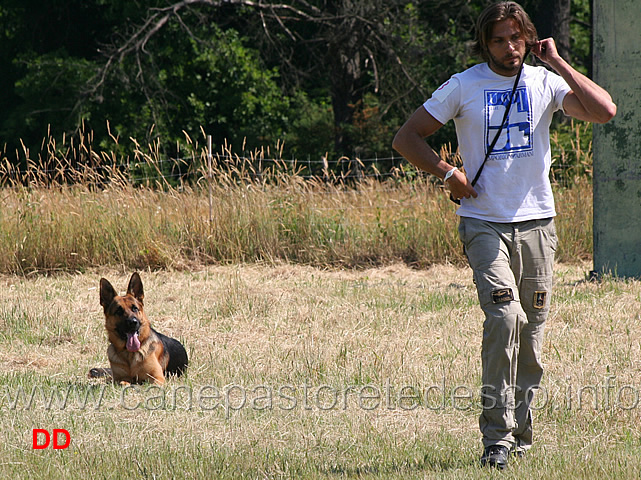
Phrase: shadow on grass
(430, 462)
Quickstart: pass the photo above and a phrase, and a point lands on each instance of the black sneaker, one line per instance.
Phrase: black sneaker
(495, 456)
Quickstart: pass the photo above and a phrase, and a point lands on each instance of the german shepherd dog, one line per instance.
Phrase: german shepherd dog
(137, 353)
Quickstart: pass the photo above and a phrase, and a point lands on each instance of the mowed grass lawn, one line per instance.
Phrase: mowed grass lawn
(299, 372)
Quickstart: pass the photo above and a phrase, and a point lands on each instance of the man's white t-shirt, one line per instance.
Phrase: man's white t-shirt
(514, 185)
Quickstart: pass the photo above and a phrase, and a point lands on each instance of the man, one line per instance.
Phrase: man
(506, 218)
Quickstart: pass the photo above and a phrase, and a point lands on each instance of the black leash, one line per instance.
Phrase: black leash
(498, 133)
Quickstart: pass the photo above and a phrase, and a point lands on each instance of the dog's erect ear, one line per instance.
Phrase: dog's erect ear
(135, 287)
(107, 293)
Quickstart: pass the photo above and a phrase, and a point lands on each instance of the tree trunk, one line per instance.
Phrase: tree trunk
(552, 19)
(346, 78)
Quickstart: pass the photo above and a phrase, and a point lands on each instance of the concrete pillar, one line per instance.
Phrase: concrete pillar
(617, 144)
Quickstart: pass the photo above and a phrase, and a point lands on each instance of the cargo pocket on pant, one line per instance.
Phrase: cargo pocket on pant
(535, 297)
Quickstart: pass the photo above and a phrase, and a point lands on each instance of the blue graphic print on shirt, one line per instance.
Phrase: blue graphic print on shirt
(516, 136)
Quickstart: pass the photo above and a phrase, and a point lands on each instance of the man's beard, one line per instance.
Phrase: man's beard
(501, 67)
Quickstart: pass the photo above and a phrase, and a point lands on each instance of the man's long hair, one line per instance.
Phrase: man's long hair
(496, 13)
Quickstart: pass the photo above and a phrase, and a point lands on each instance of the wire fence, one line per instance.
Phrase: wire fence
(149, 170)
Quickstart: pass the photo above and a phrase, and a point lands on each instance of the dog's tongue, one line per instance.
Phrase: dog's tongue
(133, 344)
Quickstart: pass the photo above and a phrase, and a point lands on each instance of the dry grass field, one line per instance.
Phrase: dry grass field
(302, 372)
(332, 328)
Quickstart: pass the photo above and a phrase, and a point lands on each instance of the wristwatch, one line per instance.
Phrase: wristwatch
(449, 174)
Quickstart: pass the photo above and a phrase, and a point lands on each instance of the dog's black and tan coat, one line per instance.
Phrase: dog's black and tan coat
(137, 353)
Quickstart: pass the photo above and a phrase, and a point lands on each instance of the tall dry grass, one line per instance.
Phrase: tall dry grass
(74, 227)
(73, 208)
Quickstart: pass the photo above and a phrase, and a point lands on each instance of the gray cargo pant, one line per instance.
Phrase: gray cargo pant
(512, 266)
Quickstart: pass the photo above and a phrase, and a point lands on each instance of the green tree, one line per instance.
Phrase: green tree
(46, 50)
(212, 82)
(333, 77)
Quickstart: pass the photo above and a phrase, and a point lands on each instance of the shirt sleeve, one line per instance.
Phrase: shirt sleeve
(561, 89)
(444, 103)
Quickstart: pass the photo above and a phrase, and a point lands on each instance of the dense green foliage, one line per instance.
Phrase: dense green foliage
(326, 77)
